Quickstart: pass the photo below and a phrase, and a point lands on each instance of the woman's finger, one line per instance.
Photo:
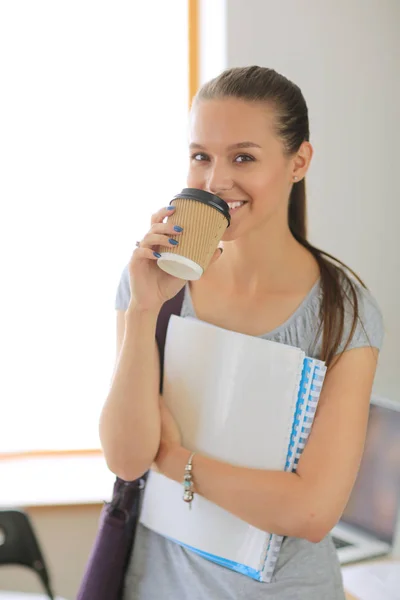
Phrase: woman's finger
(160, 215)
(147, 253)
(165, 228)
(156, 239)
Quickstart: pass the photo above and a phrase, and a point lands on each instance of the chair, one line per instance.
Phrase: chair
(19, 545)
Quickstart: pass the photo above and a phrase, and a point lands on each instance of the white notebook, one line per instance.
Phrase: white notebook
(243, 400)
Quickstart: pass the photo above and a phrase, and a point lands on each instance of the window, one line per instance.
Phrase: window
(93, 119)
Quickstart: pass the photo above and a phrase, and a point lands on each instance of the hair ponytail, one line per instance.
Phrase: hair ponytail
(333, 296)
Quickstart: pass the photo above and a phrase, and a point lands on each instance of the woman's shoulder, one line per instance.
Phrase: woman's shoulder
(369, 327)
(303, 329)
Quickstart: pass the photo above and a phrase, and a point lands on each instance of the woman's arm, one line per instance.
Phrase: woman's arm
(307, 503)
(130, 421)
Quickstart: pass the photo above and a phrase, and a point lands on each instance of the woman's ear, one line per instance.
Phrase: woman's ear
(301, 161)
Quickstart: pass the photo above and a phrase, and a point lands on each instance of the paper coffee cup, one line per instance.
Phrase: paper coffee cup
(204, 218)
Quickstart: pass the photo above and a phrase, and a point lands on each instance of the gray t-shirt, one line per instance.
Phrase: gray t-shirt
(161, 569)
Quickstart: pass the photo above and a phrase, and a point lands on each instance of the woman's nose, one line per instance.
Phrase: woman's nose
(219, 179)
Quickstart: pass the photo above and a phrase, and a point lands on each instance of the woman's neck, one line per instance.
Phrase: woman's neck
(264, 261)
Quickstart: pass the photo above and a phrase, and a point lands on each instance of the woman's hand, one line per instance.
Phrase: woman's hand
(151, 286)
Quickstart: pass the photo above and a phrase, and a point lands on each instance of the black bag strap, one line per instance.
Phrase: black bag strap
(171, 307)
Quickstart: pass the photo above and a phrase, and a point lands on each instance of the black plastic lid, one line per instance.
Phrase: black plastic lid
(206, 198)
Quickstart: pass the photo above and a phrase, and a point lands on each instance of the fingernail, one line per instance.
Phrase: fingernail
(157, 255)
(170, 207)
(177, 228)
(173, 242)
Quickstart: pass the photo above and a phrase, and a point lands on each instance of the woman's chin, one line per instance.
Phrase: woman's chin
(236, 229)
(232, 233)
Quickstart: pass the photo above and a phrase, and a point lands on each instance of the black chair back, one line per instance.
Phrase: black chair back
(19, 545)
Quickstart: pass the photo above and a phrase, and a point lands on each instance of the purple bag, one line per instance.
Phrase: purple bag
(105, 570)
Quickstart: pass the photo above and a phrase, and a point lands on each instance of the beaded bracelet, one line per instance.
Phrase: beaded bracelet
(188, 482)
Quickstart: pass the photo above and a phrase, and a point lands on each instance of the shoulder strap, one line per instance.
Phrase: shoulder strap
(171, 307)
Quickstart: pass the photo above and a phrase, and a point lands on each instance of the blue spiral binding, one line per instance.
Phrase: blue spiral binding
(312, 378)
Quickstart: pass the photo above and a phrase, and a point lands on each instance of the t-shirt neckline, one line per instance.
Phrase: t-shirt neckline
(298, 311)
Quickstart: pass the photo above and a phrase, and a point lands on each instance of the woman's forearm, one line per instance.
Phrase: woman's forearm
(273, 501)
(130, 420)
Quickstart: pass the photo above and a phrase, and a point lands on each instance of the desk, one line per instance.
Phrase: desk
(370, 579)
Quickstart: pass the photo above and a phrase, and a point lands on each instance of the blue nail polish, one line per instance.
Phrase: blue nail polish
(157, 255)
(177, 228)
(170, 207)
(173, 242)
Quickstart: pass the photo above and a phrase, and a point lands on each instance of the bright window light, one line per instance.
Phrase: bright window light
(93, 117)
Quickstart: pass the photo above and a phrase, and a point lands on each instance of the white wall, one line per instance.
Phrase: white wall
(345, 56)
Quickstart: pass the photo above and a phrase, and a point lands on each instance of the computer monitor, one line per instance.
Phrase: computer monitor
(375, 499)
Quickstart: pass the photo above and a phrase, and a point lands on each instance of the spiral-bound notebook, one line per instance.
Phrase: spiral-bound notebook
(243, 400)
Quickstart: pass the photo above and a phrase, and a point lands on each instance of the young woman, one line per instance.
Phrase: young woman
(249, 144)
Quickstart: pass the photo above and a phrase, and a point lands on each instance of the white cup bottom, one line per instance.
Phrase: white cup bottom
(180, 266)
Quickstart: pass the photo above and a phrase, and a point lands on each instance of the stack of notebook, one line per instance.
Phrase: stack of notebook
(239, 399)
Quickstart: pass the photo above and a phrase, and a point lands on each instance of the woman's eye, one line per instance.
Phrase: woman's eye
(244, 158)
(199, 156)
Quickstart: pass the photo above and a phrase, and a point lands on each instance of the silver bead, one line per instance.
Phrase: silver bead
(188, 468)
(188, 496)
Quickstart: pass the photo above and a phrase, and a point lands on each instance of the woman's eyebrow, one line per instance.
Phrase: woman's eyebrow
(195, 146)
(244, 145)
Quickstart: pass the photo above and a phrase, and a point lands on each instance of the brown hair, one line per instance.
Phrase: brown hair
(259, 84)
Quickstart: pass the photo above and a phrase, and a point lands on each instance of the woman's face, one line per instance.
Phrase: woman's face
(235, 154)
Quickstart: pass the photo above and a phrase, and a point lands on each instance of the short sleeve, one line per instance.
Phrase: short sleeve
(123, 296)
(369, 329)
